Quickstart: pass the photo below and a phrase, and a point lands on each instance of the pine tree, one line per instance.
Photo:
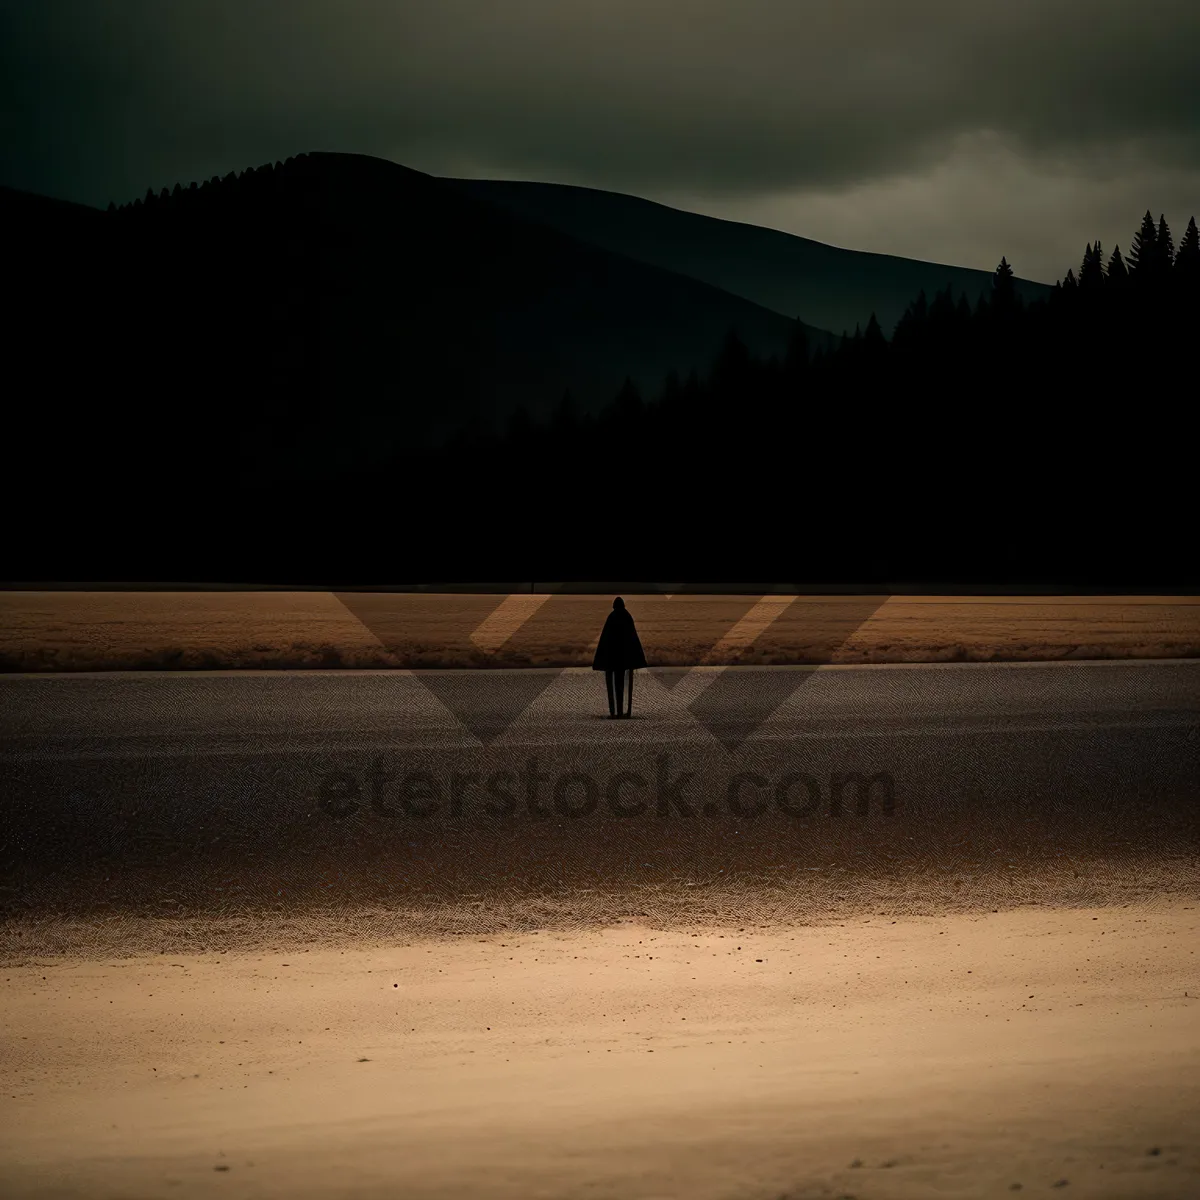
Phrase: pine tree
(941, 311)
(732, 366)
(1142, 253)
(1116, 267)
(1003, 289)
(112, 206)
(1070, 284)
(912, 327)
(873, 340)
(1091, 273)
(1166, 247)
(1187, 259)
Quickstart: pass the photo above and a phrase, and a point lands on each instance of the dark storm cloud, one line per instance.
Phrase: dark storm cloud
(108, 96)
(943, 129)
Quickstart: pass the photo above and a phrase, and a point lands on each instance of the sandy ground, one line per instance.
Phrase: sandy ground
(58, 630)
(871, 1055)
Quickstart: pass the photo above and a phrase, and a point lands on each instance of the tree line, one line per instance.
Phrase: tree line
(1155, 284)
(986, 440)
(1004, 439)
(219, 186)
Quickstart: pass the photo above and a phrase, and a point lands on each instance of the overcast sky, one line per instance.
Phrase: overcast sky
(949, 130)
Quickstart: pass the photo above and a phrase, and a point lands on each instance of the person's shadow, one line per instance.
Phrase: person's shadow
(618, 654)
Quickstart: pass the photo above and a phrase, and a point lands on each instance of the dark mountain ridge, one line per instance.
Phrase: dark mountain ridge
(233, 381)
(823, 285)
(347, 308)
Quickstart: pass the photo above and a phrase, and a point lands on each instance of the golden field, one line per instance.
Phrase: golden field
(159, 630)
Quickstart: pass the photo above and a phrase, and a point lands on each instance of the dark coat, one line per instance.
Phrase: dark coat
(619, 648)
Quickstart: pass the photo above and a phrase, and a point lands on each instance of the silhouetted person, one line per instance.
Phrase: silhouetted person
(619, 650)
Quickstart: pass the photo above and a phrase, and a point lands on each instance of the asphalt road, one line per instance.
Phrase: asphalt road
(437, 776)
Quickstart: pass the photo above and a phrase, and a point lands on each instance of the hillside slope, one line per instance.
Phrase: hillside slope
(823, 285)
(338, 309)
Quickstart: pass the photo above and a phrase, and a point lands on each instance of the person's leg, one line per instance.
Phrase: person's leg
(629, 702)
(620, 678)
(608, 683)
